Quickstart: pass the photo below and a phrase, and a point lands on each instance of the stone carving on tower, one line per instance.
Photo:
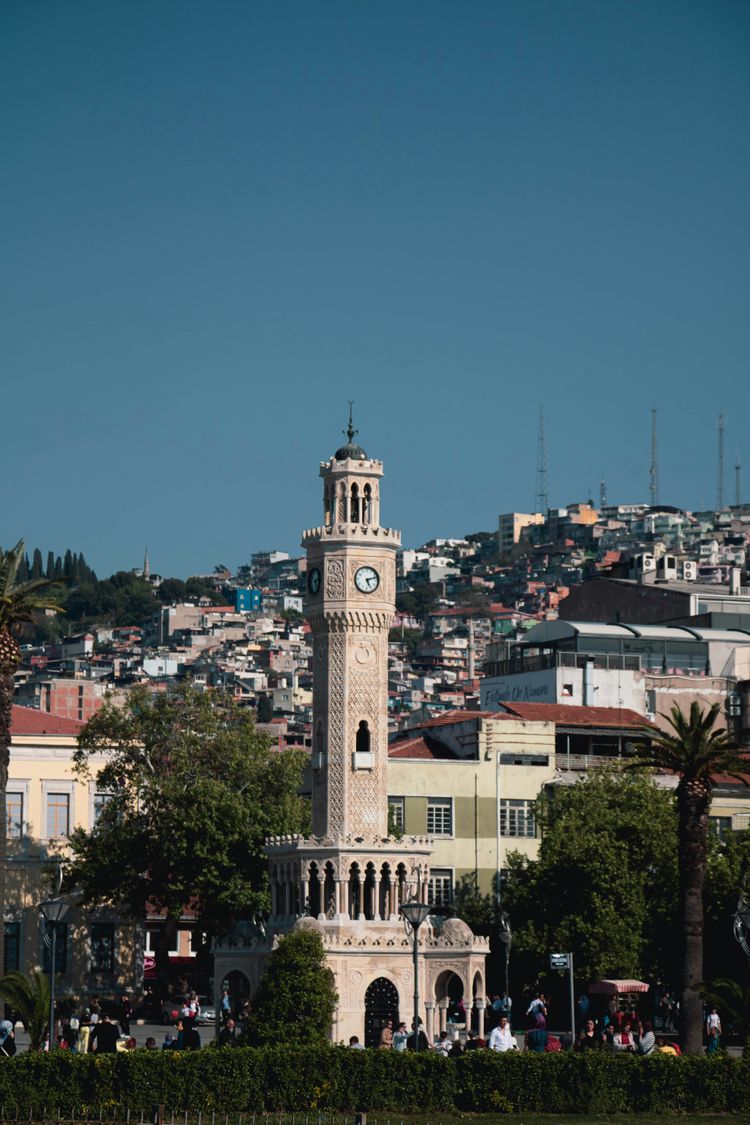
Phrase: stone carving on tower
(349, 878)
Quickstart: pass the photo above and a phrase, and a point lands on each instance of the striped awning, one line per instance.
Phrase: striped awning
(618, 987)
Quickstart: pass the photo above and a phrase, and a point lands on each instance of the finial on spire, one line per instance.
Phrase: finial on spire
(350, 432)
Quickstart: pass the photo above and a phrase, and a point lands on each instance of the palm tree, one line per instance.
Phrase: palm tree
(29, 1000)
(19, 601)
(697, 753)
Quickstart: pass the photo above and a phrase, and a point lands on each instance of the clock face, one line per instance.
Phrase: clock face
(367, 579)
(313, 580)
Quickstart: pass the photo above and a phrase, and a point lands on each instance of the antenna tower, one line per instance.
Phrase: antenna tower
(654, 470)
(738, 481)
(602, 493)
(542, 499)
(720, 479)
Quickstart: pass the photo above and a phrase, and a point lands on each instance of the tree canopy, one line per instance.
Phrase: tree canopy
(605, 882)
(296, 998)
(191, 791)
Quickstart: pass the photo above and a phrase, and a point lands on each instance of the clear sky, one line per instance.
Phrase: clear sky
(220, 220)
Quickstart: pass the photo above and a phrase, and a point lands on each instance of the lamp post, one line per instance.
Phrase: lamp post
(53, 910)
(414, 912)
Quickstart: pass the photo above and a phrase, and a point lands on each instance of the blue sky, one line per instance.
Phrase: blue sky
(221, 220)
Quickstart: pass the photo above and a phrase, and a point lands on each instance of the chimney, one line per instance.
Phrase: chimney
(735, 580)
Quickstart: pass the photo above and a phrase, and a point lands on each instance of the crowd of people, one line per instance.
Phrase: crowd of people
(619, 1030)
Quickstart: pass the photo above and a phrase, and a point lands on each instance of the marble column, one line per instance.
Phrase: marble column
(480, 1005)
(429, 1007)
(321, 895)
(274, 898)
(443, 1013)
(302, 895)
(376, 897)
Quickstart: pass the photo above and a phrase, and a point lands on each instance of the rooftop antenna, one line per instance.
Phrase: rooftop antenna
(654, 471)
(602, 494)
(720, 478)
(542, 499)
(738, 480)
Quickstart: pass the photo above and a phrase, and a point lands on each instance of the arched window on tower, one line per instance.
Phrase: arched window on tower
(367, 504)
(355, 504)
(328, 505)
(342, 502)
(363, 738)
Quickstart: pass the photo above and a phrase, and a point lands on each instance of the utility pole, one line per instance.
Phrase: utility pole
(654, 470)
(720, 478)
(542, 498)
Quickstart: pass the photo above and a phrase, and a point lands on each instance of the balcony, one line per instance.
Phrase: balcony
(515, 667)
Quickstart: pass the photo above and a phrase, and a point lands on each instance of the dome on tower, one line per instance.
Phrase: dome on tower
(350, 451)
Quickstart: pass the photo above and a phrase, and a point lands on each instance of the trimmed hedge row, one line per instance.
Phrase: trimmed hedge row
(339, 1079)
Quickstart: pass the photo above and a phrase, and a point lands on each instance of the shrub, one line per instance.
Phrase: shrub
(246, 1079)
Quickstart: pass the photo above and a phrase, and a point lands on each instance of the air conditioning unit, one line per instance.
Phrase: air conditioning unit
(688, 570)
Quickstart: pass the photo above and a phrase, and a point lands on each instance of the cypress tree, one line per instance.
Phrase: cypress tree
(36, 565)
(50, 569)
(68, 564)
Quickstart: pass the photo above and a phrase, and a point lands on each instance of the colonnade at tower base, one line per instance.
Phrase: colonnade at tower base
(372, 965)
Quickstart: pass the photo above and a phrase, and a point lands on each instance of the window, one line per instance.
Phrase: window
(721, 826)
(395, 814)
(517, 818)
(440, 887)
(61, 949)
(12, 947)
(14, 815)
(100, 800)
(152, 940)
(524, 759)
(439, 816)
(58, 814)
(103, 947)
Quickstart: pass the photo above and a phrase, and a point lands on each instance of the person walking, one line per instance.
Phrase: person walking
(104, 1036)
(386, 1036)
(400, 1037)
(126, 1011)
(501, 1037)
(538, 1037)
(588, 1039)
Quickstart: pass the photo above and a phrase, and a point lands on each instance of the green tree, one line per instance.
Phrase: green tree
(19, 601)
(193, 792)
(296, 998)
(171, 590)
(29, 999)
(696, 752)
(604, 883)
(265, 709)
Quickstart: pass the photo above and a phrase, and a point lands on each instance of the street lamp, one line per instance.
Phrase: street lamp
(415, 912)
(53, 910)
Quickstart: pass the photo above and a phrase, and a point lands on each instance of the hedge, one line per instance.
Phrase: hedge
(339, 1079)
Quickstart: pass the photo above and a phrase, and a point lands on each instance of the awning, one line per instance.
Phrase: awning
(617, 987)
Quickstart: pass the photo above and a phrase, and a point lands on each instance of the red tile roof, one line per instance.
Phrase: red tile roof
(569, 715)
(27, 720)
(461, 717)
(420, 746)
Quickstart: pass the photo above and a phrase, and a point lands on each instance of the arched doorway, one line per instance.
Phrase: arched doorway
(381, 1004)
(239, 989)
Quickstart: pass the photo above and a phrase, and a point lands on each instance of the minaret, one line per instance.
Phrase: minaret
(351, 586)
(146, 566)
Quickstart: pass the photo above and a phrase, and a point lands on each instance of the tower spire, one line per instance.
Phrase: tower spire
(350, 432)
(146, 566)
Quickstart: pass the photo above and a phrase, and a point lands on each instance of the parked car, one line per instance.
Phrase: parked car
(170, 1010)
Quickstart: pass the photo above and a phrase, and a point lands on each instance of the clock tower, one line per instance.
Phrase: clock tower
(351, 591)
(348, 880)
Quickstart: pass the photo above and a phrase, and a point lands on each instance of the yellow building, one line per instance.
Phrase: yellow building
(96, 950)
(468, 780)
